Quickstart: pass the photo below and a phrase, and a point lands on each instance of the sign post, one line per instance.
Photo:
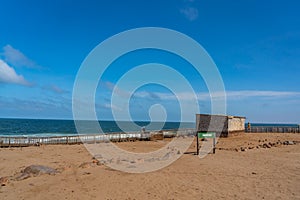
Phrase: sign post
(205, 135)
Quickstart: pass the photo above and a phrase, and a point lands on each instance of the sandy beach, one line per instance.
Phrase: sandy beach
(249, 166)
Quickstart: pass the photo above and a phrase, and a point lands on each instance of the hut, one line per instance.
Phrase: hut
(223, 125)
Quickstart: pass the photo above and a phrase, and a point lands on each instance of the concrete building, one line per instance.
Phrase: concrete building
(223, 125)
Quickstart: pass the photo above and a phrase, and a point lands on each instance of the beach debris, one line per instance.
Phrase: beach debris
(3, 181)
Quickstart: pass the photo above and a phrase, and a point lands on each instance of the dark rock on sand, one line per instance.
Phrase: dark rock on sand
(35, 170)
(21, 176)
(288, 143)
(243, 148)
(265, 145)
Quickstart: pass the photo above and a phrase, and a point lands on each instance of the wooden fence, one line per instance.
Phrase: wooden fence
(272, 129)
(92, 138)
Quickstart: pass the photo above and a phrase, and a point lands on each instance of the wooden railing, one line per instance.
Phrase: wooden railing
(91, 138)
(272, 129)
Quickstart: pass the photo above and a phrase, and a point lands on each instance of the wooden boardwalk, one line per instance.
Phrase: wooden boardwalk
(92, 138)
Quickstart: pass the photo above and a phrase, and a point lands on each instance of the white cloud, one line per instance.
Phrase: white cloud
(185, 96)
(55, 89)
(113, 107)
(122, 93)
(9, 75)
(191, 13)
(17, 58)
(255, 93)
(202, 96)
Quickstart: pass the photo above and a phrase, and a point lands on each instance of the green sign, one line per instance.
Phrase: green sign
(206, 134)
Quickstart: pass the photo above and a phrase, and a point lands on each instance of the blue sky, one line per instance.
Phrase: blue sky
(254, 43)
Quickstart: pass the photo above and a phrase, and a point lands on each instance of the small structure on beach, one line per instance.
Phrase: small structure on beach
(222, 125)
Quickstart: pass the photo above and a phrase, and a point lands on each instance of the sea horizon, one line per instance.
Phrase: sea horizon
(61, 127)
(70, 119)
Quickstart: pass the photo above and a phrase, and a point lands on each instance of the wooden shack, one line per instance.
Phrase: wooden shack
(223, 125)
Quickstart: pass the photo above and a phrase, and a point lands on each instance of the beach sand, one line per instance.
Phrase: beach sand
(256, 173)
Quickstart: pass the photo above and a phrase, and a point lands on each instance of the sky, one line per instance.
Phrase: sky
(255, 45)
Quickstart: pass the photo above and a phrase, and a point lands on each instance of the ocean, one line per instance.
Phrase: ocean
(49, 127)
(272, 125)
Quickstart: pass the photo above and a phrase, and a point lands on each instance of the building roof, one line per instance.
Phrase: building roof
(229, 116)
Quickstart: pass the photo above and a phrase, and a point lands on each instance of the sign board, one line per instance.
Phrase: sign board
(206, 134)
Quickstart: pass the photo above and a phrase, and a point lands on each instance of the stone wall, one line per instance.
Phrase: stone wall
(236, 124)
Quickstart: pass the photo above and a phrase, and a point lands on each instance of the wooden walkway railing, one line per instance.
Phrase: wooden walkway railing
(92, 138)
